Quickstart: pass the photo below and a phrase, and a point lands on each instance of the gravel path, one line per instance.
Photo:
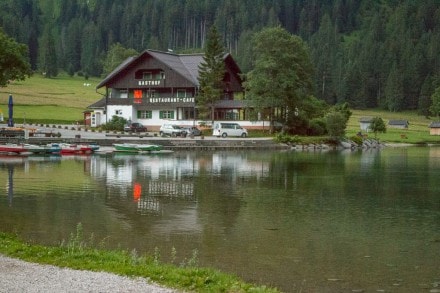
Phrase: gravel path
(20, 276)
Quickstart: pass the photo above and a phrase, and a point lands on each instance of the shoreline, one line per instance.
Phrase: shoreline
(17, 275)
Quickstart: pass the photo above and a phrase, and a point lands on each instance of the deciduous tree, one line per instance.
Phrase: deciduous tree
(282, 74)
(115, 56)
(377, 125)
(14, 64)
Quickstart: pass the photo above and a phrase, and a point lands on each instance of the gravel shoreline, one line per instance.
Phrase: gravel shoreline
(20, 276)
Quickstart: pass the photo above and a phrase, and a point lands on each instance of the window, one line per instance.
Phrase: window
(118, 112)
(151, 93)
(147, 75)
(181, 93)
(166, 114)
(137, 94)
(123, 94)
(145, 114)
(160, 75)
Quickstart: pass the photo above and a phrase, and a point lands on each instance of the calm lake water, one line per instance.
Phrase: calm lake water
(300, 221)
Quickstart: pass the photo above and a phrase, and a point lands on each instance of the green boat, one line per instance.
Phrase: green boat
(137, 148)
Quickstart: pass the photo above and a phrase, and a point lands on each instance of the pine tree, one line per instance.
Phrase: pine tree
(48, 57)
(211, 74)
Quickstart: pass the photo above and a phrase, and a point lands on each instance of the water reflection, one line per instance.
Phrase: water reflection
(303, 221)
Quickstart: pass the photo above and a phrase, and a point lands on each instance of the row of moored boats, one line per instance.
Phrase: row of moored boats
(74, 148)
(51, 148)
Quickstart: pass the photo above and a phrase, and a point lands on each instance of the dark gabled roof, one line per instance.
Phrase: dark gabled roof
(398, 122)
(187, 65)
(434, 124)
(116, 71)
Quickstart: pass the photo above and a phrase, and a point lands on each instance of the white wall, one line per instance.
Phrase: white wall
(155, 122)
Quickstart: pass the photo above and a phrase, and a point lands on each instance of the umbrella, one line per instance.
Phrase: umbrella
(11, 112)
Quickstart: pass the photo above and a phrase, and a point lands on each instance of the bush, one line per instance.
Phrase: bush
(317, 126)
(284, 138)
(356, 139)
(116, 124)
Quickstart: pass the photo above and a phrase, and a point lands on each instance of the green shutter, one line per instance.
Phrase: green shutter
(161, 114)
(138, 114)
(172, 115)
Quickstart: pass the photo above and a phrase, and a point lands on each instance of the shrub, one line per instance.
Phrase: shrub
(356, 139)
(317, 126)
(116, 124)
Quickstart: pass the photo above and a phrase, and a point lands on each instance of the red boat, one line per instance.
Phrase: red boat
(67, 148)
(12, 148)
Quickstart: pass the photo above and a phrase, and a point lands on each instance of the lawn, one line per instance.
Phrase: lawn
(417, 132)
(62, 99)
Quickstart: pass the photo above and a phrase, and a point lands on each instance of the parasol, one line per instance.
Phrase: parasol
(11, 112)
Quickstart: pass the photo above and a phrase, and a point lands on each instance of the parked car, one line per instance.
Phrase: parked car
(192, 131)
(224, 129)
(135, 127)
(172, 130)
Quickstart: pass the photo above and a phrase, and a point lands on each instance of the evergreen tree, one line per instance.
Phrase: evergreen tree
(48, 57)
(211, 74)
(435, 106)
(394, 91)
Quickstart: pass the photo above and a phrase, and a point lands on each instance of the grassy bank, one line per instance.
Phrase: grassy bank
(49, 100)
(417, 133)
(76, 254)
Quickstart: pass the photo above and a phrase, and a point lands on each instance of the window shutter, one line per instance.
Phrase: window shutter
(161, 114)
(172, 115)
(138, 114)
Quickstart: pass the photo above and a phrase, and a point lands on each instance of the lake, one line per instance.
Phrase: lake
(333, 221)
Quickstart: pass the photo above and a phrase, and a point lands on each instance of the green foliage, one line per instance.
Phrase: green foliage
(281, 77)
(336, 123)
(435, 106)
(356, 139)
(189, 277)
(211, 74)
(317, 126)
(377, 125)
(13, 60)
(115, 56)
(285, 138)
(116, 124)
(48, 65)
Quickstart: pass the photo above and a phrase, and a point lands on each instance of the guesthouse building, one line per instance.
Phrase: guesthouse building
(158, 87)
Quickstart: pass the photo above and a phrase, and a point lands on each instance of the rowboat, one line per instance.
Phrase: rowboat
(52, 148)
(134, 147)
(12, 148)
(72, 149)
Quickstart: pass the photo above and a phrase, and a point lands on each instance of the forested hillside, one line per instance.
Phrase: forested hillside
(368, 53)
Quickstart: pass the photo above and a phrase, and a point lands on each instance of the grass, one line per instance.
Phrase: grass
(37, 99)
(417, 133)
(79, 254)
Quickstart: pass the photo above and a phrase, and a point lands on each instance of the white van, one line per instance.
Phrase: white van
(225, 129)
